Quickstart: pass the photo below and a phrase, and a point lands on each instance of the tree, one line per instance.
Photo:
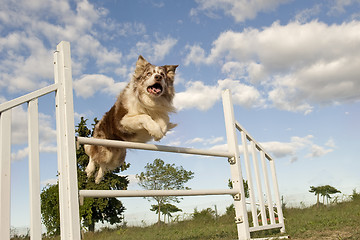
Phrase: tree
(328, 190)
(325, 191)
(93, 210)
(161, 176)
(50, 209)
(246, 187)
(316, 191)
(166, 210)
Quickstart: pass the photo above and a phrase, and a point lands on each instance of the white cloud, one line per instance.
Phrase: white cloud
(220, 147)
(163, 47)
(115, 29)
(88, 84)
(196, 55)
(288, 149)
(2, 99)
(88, 46)
(174, 143)
(299, 65)
(201, 96)
(207, 141)
(234, 69)
(297, 145)
(330, 143)
(37, 26)
(197, 95)
(25, 63)
(338, 6)
(154, 51)
(242, 94)
(287, 99)
(19, 133)
(306, 14)
(20, 154)
(195, 140)
(293, 150)
(50, 181)
(318, 151)
(19, 127)
(240, 10)
(214, 140)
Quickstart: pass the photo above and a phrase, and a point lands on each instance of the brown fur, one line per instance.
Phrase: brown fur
(140, 114)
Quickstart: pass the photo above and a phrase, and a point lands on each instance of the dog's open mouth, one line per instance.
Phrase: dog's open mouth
(155, 89)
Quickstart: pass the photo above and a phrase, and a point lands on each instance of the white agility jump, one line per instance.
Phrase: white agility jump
(258, 164)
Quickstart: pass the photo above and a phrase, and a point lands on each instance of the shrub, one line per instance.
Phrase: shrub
(355, 195)
(230, 210)
(204, 215)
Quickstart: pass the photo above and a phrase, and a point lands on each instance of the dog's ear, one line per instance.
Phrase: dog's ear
(170, 71)
(171, 68)
(140, 66)
(141, 61)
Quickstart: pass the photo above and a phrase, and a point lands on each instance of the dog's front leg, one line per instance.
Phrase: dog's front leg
(143, 121)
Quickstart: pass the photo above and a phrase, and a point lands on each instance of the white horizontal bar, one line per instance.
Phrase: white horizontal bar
(250, 138)
(152, 147)
(266, 227)
(152, 193)
(28, 97)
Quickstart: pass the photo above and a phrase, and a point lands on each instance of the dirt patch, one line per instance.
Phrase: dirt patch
(329, 235)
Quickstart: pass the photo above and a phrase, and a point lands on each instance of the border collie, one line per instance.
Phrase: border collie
(140, 114)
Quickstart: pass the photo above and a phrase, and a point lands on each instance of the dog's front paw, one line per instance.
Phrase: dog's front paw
(155, 131)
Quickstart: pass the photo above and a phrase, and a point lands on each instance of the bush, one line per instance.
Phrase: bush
(355, 196)
(230, 210)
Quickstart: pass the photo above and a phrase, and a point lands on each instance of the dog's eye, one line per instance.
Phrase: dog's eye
(149, 74)
(162, 74)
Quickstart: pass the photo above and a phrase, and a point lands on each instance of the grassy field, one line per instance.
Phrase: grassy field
(336, 221)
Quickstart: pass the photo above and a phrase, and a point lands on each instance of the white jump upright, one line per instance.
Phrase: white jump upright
(68, 191)
(258, 161)
(68, 182)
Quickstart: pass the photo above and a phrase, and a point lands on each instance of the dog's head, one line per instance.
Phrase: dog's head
(156, 82)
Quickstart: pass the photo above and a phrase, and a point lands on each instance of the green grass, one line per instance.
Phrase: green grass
(339, 221)
(223, 228)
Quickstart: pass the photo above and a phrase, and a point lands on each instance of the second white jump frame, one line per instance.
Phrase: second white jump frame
(233, 155)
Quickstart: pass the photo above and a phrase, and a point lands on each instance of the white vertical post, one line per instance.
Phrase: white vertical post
(249, 178)
(258, 183)
(277, 195)
(236, 174)
(267, 187)
(68, 182)
(5, 158)
(34, 170)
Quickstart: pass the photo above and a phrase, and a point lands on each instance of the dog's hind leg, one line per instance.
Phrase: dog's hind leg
(90, 169)
(100, 174)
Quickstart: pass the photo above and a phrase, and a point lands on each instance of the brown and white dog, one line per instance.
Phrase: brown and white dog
(140, 114)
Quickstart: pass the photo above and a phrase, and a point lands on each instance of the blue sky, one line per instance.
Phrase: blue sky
(292, 66)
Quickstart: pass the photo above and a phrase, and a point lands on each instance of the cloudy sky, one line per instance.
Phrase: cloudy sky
(292, 66)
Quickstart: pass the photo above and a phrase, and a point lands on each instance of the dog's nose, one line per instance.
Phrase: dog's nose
(158, 77)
